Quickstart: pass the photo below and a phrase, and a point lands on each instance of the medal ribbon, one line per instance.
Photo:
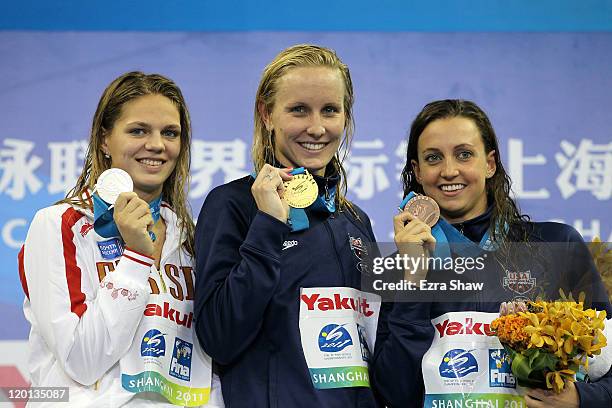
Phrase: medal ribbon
(104, 224)
(446, 234)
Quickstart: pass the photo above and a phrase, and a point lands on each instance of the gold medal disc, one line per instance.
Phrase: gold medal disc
(301, 190)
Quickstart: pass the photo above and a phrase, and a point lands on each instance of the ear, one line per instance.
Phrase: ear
(104, 145)
(417, 170)
(491, 165)
(265, 115)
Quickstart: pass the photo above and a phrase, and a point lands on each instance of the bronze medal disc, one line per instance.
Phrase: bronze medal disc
(424, 208)
(301, 190)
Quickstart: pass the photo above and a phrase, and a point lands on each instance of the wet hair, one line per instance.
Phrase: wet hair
(122, 90)
(303, 55)
(505, 210)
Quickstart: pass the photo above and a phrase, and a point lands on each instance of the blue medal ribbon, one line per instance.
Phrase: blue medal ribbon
(104, 223)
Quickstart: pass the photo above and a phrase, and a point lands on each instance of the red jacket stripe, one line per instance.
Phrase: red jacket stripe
(73, 272)
(22, 277)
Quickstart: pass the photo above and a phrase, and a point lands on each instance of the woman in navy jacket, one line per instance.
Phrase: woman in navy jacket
(453, 157)
(254, 254)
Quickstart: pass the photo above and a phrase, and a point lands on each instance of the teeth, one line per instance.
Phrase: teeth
(313, 146)
(452, 187)
(151, 162)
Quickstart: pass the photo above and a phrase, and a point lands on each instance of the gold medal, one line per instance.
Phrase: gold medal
(301, 190)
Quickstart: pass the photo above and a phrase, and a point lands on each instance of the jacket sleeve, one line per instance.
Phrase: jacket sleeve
(598, 393)
(87, 325)
(404, 335)
(237, 269)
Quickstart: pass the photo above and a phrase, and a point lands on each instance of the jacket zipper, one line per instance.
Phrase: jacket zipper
(338, 263)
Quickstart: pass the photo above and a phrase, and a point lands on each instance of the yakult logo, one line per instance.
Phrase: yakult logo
(338, 302)
(181, 319)
(448, 328)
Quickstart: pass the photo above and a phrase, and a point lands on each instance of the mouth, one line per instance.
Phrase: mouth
(151, 162)
(452, 188)
(312, 147)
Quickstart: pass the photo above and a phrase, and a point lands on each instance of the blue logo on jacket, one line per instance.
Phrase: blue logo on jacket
(458, 363)
(334, 338)
(153, 344)
(110, 249)
(500, 371)
(180, 365)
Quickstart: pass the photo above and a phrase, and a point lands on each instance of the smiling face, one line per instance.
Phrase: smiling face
(307, 117)
(453, 167)
(145, 141)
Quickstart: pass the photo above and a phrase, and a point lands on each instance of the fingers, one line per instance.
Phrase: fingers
(272, 175)
(400, 220)
(533, 402)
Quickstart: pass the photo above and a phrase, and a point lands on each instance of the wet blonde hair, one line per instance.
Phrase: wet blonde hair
(122, 90)
(303, 55)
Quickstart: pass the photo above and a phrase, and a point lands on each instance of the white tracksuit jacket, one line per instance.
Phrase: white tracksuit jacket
(85, 300)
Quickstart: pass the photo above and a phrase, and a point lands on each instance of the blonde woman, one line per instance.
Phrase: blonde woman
(257, 254)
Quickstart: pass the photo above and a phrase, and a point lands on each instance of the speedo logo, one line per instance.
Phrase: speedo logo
(289, 244)
(181, 319)
(448, 328)
(338, 302)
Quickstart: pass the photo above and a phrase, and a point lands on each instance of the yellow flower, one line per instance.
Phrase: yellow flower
(555, 379)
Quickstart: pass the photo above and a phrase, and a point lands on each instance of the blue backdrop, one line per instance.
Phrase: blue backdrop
(547, 92)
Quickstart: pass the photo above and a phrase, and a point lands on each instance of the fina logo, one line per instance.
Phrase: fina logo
(334, 338)
(458, 363)
(500, 371)
(153, 344)
(180, 365)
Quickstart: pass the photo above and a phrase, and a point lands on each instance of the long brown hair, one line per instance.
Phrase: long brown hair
(505, 211)
(303, 55)
(122, 90)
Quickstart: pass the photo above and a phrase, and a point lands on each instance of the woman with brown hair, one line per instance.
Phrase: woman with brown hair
(109, 285)
(453, 158)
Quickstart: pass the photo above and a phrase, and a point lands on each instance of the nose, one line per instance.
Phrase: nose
(155, 142)
(449, 169)
(316, 128)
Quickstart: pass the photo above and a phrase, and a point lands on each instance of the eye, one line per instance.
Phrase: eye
(137, 131)
(432, 158)
(172, 133)
(464, 155)
(298, 109)
(330, 110)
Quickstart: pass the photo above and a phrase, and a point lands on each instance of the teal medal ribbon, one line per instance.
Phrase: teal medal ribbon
(104, 223)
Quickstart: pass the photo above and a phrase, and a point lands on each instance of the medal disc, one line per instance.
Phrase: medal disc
(113, 182)
(301, 190)
(424, 208)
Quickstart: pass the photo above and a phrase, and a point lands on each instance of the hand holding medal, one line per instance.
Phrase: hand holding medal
(413, 226)
(131, 214)
(269, 191)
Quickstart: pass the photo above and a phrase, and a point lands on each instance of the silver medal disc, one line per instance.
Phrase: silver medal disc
(113, 182)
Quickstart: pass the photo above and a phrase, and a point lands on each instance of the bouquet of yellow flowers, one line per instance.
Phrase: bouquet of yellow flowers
(548, 342)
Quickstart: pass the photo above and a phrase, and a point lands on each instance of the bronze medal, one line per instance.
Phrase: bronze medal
(424, 208)
(301, 190)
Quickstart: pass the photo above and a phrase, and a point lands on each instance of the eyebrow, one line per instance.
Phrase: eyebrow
(461, 146)
(144, 124)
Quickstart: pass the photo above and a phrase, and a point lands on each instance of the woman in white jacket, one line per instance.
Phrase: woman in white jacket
(109, 288)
